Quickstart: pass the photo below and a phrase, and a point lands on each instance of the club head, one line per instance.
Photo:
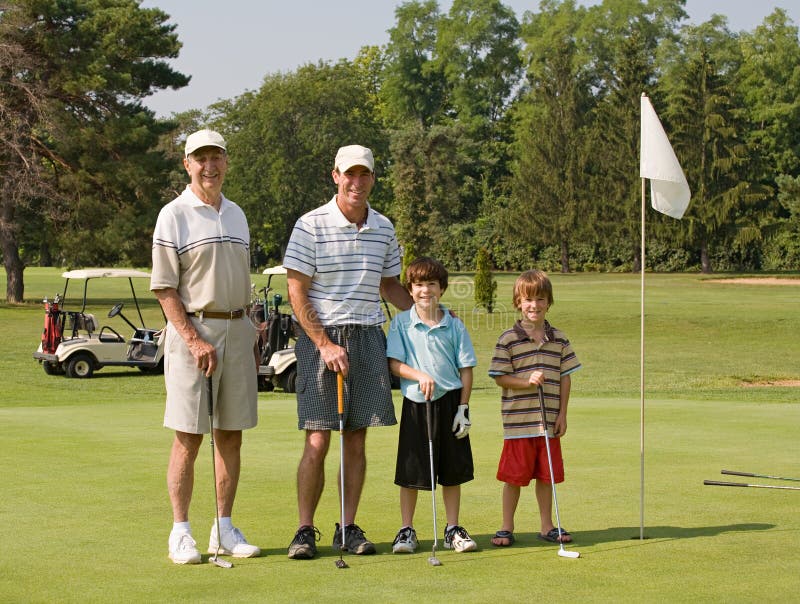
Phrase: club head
(221, 563)
(568, 554)
(434, 561)
(341, 564)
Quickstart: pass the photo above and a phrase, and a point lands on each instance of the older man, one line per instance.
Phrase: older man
(201, 278)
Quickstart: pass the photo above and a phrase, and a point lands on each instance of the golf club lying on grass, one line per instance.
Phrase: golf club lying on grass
(433, 560)
(210, 390)
(717, 483)
(340, 563)
(750, 475)
(561, 551)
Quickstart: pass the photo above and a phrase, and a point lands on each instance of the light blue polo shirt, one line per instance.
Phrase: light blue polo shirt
(439, 351)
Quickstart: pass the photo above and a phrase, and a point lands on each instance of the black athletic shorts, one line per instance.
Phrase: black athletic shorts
(452, 457)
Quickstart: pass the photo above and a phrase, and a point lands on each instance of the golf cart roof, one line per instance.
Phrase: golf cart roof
(274, 270)
(94, 273)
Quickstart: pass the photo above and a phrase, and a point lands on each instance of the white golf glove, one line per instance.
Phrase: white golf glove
(461, 422)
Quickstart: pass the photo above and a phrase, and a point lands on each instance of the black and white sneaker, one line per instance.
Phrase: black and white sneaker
(355, 542)
(457, 538)
(405, 542)
(304, 544)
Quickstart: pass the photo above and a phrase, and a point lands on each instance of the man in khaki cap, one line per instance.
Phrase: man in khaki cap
(341, 258)
(201, 277)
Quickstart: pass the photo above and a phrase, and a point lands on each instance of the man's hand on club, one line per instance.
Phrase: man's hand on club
(461, 423)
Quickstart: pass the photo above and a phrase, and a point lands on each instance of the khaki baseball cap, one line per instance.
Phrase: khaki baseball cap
(354, 155)
(203, 138)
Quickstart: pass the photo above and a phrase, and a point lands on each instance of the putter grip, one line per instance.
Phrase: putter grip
(340, 392)
(210, 397)
(724, 484)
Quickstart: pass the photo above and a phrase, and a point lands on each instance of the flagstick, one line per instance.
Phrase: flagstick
(641, 383)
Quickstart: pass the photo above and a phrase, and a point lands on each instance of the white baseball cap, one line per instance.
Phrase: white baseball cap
(354, 155)
(203, 138)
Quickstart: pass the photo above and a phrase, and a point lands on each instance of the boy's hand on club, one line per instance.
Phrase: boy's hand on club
(426, 386)
(536, 378)
(461, 423)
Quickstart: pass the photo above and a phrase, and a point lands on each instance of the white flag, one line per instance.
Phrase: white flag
(669, 191)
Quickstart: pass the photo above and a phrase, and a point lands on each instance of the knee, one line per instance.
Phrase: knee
(228, 440)
(316, 447)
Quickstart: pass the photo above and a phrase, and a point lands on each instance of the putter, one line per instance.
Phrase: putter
(340, 563)
(561, 551)
(210, 390)
(433, 560)
(750, 475)
(716, 483)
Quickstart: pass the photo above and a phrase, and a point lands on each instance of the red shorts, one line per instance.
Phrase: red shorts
(525, 459)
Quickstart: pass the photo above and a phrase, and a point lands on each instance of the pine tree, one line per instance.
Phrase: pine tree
(485, 286)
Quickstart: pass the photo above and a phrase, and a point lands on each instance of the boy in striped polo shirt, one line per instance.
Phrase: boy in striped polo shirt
(531, 354)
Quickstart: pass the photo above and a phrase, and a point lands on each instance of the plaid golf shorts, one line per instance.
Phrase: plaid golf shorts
(367, 387)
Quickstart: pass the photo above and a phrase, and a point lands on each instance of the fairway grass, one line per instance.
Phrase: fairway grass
(85, 514)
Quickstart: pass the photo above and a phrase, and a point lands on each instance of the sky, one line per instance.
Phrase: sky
(229, 47)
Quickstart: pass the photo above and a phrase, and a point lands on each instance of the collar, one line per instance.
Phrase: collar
(549, 334)
(195, 202)
(415, 320)
(341, 221)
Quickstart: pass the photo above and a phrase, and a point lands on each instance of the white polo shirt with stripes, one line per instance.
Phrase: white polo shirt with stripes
(202, 253)
(345, 263)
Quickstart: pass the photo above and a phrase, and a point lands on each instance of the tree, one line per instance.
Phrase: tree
(485, 285)
(769, 84)
(623, 38)
(550, 172)
(413, 85)
(702, 113)
(430, 186)
(283, 139)
(82, 175)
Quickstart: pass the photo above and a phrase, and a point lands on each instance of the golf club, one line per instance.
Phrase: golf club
(433, 560)
(750, 475)
(210, 390)
(561, 551)
(716, 483)
(340, 563)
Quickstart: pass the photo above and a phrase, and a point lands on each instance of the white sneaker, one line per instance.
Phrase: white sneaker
(405, 542)
(233, 544)
(183, 549)
(457, 538)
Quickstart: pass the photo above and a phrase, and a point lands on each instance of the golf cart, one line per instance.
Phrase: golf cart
(278, 364)
(74, 344)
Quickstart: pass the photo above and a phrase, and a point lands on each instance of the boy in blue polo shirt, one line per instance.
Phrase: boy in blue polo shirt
(432, 354)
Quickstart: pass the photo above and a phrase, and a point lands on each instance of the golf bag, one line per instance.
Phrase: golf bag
(275, 331)
(53, 325)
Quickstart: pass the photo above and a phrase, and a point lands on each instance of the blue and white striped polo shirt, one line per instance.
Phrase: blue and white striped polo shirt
(345, 264)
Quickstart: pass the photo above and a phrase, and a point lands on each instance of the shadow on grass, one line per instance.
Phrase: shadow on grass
(666, 532)
(527, 543)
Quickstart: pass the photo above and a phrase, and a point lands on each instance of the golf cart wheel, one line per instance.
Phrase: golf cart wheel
(289, 380)
(52, 368)
(80, 365)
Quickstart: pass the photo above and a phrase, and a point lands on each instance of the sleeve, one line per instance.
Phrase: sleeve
(569, 360)
(395, 348)
(466, 352)
(501, 360)
(166, 263)
(391, 263)
(301, 251)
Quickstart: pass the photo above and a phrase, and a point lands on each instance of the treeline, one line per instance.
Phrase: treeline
(491, 135)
